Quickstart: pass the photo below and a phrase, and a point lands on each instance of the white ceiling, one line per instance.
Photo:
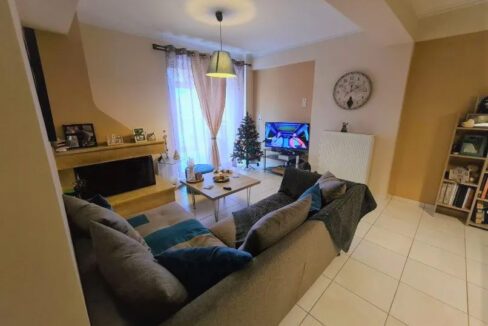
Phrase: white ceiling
(425, 8)
(253, 27)
(51, 15)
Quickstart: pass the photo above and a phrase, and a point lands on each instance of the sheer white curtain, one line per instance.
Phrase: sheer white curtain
(233, 114)
(191, 135)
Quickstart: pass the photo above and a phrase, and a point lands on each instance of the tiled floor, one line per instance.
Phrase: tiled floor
(406, 266)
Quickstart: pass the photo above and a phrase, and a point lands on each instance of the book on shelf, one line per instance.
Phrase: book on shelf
(481, 213)
(456, 195)
(484, 187)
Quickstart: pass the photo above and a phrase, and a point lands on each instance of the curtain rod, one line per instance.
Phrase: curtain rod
(167, 48)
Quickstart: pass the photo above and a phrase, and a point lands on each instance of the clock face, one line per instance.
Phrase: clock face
(352, 90)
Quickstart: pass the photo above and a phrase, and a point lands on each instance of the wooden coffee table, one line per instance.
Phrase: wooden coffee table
(237, 182)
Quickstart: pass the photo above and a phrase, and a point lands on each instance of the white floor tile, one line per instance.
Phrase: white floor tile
(354, 244)
(370, 284)
(438, 258)
(444, 287)
(442, 240)
(334, 267)
(294, 317)
(362, 229)
(442, 223)
(392, 321)
(416, 308)
(478, 302)
(314, 293)
(476, 234)
(380, 258)
(310, 321)
(476, 322)
(396, 242)
(477, 249)
(338, 306)
(396, 225)
(477, 273)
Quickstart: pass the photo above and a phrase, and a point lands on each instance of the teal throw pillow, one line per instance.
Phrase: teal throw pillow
(316, 194)
(198, 269)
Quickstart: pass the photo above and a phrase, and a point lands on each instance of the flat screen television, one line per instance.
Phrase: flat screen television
(293, 136)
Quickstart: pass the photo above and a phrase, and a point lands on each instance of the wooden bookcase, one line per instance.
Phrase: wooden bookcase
(452, 160)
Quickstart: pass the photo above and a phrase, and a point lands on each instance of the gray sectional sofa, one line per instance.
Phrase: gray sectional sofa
(260, 294)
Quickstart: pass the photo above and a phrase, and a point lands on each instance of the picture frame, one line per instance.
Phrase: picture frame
(151, 136)
(80, 135)
(139, 135)
(115, 140)
(473, 145)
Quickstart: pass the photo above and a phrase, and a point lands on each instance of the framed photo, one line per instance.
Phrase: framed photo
(115, 140)
(473, 145)
(80, 135)
(151, 136)
(139, 135)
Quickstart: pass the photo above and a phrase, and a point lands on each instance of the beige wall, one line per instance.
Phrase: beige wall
(38, 277)
(388, 68)
(445, 78)
(278, 93)
(127, 78)
(64, 66)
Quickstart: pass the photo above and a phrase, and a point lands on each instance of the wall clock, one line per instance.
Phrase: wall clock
(352, 90)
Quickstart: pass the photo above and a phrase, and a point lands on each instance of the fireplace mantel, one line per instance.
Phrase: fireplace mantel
(102, 154)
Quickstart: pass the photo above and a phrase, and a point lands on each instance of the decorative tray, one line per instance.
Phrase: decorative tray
(221, 179)
(195, 181)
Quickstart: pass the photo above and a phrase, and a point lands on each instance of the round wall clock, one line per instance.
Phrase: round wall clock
(352, 90)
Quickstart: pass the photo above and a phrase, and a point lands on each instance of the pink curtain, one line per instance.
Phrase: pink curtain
(211, 93)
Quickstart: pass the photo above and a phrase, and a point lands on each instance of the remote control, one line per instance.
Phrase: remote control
(227, 188)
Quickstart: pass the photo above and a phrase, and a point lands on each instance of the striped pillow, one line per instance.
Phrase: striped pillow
(188, 233)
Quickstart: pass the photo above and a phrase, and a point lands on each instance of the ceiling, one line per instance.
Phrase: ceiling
(255, 27)
(425, 8)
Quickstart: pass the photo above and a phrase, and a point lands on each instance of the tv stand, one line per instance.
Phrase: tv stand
(283, 156)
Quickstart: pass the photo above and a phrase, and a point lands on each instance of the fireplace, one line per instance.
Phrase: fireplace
(117, 177)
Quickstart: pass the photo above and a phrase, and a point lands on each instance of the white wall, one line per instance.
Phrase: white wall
(39, 282)
(387, 67)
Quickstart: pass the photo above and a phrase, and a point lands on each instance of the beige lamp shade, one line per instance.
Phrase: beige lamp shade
(221, 65)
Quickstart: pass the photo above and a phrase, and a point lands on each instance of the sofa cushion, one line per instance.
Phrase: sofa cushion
(81, 213)
(201, 268)
(316, 195)
(138, 281)
(275, 225)
(245, 218)
(225, 230)
(187, 234)
(331, 187)
(296, 181)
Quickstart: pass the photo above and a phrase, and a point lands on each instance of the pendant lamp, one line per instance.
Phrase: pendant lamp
(221, 65)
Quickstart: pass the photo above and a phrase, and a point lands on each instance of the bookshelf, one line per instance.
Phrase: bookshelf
(463, 199)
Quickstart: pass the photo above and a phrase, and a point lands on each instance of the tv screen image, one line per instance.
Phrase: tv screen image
(287, 135)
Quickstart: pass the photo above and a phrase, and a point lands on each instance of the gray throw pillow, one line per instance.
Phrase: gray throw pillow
(331, 187)
(149, 290)
(80, 214)
(276, 225)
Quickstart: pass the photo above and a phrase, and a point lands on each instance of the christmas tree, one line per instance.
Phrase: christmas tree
(247, 146)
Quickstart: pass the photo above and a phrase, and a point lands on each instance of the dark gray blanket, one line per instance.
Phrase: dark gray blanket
(341, 217)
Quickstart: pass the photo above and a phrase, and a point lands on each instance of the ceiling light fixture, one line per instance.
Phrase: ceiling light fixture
(221, 65)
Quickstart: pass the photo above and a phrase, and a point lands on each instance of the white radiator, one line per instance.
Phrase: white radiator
(348, 156)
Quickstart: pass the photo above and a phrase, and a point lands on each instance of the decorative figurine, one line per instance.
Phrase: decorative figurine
(344, 126)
